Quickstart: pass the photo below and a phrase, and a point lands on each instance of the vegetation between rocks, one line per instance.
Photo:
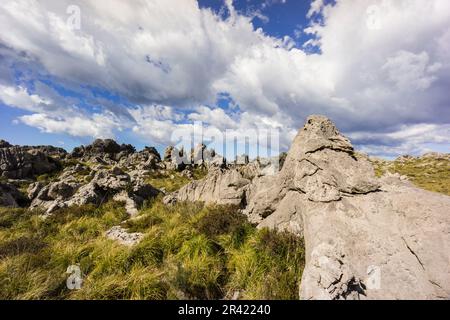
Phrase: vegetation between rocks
(172, 180)
(427, 173)
(189, 251)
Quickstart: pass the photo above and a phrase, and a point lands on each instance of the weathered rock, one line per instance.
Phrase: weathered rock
(187, 173)
(53, 195)
(101, 186)
(220, 186)
(436, 156)
(10, 196)
(168, 153)
(199, 154)
(89, 193)
(395, 243)
(366, 238)
(121, 235)
(259, 167)
(34, 189)
(146, 159)
(61, 190)
(131, 207)
(25, 162)
(106, 150)
(49, 151)
(216, 161)
(320, 164)
(4, 144)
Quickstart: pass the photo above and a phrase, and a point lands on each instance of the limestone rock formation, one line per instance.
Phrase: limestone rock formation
(10, 196)
(366, 238)
(220, 186)
(146, 159)
(106, 150)
(104, 184)
(25, 162)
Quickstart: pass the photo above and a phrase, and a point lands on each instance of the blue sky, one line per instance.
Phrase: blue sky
(139, 72)
(281, 17)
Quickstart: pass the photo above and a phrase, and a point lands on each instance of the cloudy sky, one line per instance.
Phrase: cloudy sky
(138, 70)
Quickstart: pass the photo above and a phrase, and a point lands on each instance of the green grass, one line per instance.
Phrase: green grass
(188, 251)
(172, 180)
(427, 173)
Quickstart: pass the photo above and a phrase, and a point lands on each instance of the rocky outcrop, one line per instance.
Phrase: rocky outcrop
(100, 150)
(146, 159)
(25, 162)
(10, 196)
(178, 159)
(49, 151)
(220, 186)
(366, 238)
(104, 184)
(4, 144)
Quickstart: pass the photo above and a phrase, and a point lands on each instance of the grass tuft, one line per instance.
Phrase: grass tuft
(189, 250)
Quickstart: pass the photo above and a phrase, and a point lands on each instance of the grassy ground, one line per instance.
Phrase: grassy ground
(427, 173)
(173, 180)
(189, 251)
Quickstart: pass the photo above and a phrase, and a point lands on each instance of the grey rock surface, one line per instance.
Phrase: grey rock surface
(25, 162)
(105, 184)
(10, 196)
(220, 186)
(121, 235)
(103, 150)
(365, 238)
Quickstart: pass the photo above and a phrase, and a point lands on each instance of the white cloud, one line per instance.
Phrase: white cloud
(216, 116)
(51, 118)
(97, 125)
(19, 97)
(379, 71)
(408, 139)
(316, 7)
(411, 71)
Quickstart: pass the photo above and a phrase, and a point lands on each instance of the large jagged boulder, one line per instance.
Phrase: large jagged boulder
(220, 186)
(25, 162)
(365, 238)
(146, 159)
(102, 150)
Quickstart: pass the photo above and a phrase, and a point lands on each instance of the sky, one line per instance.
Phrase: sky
(144, 71)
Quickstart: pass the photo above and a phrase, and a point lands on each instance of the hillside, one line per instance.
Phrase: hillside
(430, 171)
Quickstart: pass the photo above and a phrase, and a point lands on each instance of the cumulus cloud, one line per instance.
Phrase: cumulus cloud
(216, 117)
(316, 7)
(96, 125)
(19, 97)
(382, 68)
